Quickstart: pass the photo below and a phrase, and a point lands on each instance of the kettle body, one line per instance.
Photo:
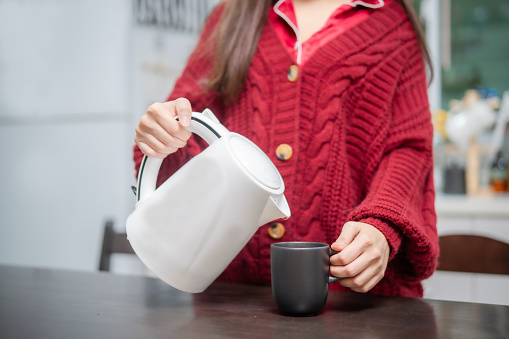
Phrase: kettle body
(190, 228)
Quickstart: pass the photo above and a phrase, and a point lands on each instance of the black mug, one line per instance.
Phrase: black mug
(300, 276)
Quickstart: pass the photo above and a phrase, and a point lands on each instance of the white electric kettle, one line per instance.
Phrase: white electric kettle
(189, 229)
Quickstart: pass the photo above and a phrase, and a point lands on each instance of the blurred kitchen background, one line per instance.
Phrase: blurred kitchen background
(75, 76)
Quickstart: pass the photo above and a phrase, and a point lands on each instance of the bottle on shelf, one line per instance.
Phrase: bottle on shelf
(498, 173)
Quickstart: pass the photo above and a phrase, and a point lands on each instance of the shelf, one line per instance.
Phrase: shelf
(495, 206)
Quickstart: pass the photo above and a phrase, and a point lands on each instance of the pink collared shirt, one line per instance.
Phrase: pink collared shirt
(343, 18)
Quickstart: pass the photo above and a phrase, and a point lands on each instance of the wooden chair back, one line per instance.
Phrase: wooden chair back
(473, 254)
(113, 242)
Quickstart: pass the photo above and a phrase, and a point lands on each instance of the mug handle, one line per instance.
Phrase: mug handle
(204, 124)
(331, 277)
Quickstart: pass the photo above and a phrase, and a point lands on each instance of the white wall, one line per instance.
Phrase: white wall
(64, 57)
(65, 115)
(75, 76)
(60, 181)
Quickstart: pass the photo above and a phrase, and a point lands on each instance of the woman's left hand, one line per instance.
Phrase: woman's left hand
(364, 254)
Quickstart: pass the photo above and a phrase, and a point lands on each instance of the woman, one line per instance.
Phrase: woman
(335, 92)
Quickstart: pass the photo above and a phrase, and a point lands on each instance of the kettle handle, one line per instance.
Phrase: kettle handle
(204, 124)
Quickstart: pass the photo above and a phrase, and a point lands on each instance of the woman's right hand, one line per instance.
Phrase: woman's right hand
(158, 133)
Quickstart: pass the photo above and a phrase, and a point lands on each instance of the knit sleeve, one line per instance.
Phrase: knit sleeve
(190, 85)
(400, 196)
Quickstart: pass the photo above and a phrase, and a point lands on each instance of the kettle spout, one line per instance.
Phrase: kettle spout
(275, 208)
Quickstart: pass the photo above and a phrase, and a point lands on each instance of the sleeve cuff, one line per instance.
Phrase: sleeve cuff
(393, 235)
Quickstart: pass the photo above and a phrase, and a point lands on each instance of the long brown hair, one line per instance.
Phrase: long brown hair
(237, 34)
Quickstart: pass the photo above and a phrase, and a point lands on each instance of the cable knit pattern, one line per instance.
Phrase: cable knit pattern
(358, 121)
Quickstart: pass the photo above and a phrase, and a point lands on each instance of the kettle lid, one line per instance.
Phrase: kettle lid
(255, 161)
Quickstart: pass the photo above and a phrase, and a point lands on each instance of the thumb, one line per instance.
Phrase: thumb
(348, 234)
(184, 111)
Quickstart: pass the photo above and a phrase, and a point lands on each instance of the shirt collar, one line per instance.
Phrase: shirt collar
(353, 3)
(367, 3)
(281, 8)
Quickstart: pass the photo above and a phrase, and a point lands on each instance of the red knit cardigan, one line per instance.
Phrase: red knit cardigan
(359, 124)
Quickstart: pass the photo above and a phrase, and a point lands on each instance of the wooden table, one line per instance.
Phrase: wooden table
(41, 303)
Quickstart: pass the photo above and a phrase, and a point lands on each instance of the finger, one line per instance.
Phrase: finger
(149, 127)
(346, 245)
(150, 151)
(163, 114)
(359, 245)
(350, 270)
(348, 233)
(372, 283)
(175, 129)
(357, 260)
(360, 282)
(184, 111)
(158, 139)
(364, 281)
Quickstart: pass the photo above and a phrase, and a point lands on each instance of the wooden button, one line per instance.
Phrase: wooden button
(293, 73)
(276, 230)
(284, 152)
